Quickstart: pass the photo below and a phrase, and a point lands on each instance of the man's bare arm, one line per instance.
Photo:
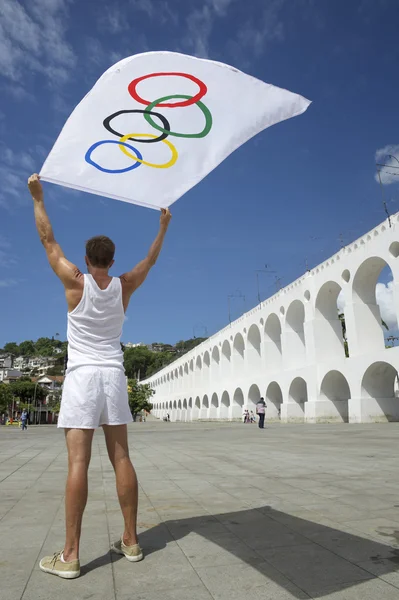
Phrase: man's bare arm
(66, 271)
(134, 278)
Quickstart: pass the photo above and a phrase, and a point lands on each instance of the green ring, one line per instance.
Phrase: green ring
(206, 112)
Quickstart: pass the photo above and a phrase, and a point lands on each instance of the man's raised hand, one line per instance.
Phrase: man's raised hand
(165, 217)
(35, 187)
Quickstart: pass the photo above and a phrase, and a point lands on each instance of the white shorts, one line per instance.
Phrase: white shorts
(94, 396)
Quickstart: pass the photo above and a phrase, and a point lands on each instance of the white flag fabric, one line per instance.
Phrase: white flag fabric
(157, 123)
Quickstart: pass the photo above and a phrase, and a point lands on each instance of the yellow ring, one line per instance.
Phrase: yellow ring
(150, 135)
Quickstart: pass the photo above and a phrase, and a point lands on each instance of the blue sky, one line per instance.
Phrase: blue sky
(283, 198)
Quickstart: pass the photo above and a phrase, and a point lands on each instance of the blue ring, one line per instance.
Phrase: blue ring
(89, 160)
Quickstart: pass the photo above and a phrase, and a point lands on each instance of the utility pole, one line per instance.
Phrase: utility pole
(265, 270)
(238, 294)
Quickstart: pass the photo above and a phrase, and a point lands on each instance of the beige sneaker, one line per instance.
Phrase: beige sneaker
(132, 553)
(55, 566)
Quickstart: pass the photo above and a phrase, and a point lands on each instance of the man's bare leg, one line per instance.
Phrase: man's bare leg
(126, 480)
(79, 453)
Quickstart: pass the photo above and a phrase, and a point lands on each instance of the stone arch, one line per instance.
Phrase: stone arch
(295, 333)
(207, 360)
(239, 345)
(198, 363)
(226, 350)
(238, 398)
(185, 406)
(213, 413)
(329, 335)
(205, 402)
(254, 339)
(192, 365)
(186, 368)
(335, 390)
(274, 400)
(273, 341)
(190, 403)
(379, 381)
(369, 333)
(198, 402)
(253, 397)
(298, 391)
(216, 355)
(224, 405)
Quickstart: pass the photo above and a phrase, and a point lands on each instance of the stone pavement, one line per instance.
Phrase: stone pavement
(227, 511)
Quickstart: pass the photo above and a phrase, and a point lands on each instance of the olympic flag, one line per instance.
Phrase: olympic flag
(157, 123)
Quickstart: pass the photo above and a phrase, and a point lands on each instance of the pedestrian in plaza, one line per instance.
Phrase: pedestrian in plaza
(95, 390)
(24, 420)
(246, 416)
(252, 417)
(261, 411)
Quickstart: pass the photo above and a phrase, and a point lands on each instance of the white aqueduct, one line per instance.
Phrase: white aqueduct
(290, 349)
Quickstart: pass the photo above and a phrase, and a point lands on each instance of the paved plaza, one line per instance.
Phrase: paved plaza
(227, 511)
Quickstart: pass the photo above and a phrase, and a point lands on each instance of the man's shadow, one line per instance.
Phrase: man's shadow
(284, 548)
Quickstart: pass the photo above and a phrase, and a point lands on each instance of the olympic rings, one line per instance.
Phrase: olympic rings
(191, 99)
(100, 168)
(148, 115)
(164, 120)
(143, 162)
(205, 110)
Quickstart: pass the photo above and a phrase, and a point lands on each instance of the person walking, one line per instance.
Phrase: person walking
(95, 390)
(24, 420)
(261, 411)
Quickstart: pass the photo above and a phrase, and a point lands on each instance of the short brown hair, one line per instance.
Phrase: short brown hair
(100, 251)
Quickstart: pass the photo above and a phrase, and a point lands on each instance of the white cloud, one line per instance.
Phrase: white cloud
(199, 28)
(14, 171)
(112, 19)
(8, 283)
(158, 9)
(33, 39)
(385, 300)
(385, 156)
(256, 33)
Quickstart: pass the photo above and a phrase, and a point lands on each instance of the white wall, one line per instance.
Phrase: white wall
(289, 349)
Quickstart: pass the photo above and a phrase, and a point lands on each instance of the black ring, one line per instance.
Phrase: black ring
(165, 123)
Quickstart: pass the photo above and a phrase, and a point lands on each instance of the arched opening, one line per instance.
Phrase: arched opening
(379, 398)
(205, 402)
(295, 334)
(225, 405)
(213, 413)
(197, 402)
(273, 341)
(253, 398)
(186, 368)
(184, 411)
(179, 411)
(274, 400)
(238, 354)
(191, 365)
(207, 360)
(297, 396)
(225, 359)
(216, 355)
(238, 404)
(373, 304)
(253, 359)
(198, 363)
(335, 389)
(330, 329)
(196, 409)
(254, 340)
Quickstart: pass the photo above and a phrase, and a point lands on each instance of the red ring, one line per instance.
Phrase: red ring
(203, 90)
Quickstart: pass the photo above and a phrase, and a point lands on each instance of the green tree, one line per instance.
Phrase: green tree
(137, 361)
(58, 369)
(12, 348)
(6, 397)
(25, 391)
(139, 396)
(44, 346)
(27, 348)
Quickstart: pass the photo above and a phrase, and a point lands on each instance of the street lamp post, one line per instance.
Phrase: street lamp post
(34, 400)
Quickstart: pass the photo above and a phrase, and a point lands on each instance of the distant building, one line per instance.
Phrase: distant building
(131, 345)
(9, 375)
(6, 360)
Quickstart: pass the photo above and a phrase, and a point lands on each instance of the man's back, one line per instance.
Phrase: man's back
(95, 326)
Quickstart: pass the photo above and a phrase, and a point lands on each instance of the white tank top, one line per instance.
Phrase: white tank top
(95, 326)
